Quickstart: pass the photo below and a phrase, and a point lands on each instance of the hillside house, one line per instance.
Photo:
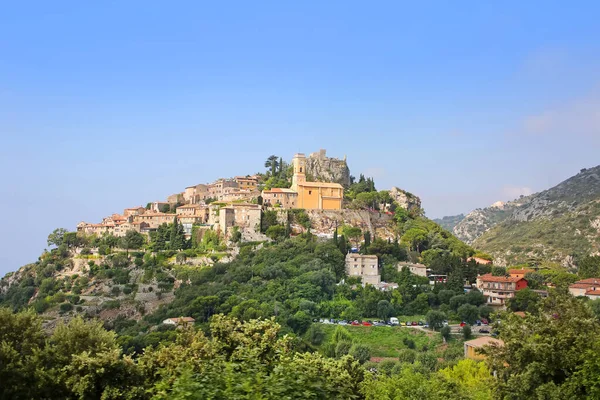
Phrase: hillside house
(246, 182)
(280, 197)
(181, 321)
(130, 212)
(417, 269)
(363, 266)
(498, 289)
(472, 347)
(479, 260)
(519, 273)
(587, 287)
(243, 215)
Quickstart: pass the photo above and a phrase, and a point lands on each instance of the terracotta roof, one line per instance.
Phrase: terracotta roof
(520, 271)
(580, 285)
(279, 190)
(592, 281)
(520, 314)
(484, 341)
(593, 292)
(321, 184)
(189, 206)
(491, 278)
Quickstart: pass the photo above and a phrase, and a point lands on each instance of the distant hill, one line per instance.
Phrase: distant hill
(448, 223)
(551, 225)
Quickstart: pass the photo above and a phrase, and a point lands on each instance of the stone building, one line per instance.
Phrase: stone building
(280, 197)
(363, 266)
(242, 215)
(128, 212)
(417, 269)
(246, 182)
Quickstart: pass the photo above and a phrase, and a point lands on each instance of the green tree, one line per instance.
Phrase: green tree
(132, 240)
(177, 236)
(468, 313)
(551, 353)
(56, 237)
(384, 310)
(435, 319)
(524, 300)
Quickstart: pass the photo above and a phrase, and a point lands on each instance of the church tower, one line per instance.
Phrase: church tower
(299, 163)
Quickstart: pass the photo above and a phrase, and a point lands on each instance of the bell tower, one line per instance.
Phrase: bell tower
(299, 163)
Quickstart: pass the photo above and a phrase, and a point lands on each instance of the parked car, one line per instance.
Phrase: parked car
(355, 323)
(463, 323)
(342, 323)
(484, 330)
(420, 323)
(478, 323)
(414, 323)
(394, 321)
(367, 323)
(484, 321)
(407, 323)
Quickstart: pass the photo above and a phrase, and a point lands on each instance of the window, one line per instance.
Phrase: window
(300, 169)
(310, 192)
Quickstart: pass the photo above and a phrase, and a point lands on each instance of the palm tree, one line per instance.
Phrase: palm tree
(272, 163)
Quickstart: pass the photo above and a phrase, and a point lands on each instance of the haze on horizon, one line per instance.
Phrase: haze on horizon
(106, 106)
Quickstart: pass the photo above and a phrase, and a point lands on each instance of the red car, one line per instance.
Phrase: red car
(365, 323)
(462, 324)
(484, 321)
(355, 323)
(414, 323)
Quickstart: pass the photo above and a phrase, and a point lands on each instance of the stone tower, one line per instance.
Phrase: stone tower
(299, 163)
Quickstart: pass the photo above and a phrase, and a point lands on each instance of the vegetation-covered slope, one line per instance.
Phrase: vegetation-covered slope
(552, 225)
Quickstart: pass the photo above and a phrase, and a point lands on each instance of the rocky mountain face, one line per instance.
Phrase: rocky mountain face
(405, 199)
(551, 225)
(327, 169)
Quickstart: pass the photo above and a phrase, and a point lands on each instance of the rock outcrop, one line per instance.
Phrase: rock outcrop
(405, 199)
(327, 169)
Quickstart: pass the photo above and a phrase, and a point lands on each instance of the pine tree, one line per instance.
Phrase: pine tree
(335, 234)
(367, 237)
(343, 245)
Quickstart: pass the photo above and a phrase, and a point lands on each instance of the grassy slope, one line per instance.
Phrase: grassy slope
(384, 341)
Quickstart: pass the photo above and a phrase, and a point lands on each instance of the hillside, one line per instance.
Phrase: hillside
(449, 222)
(551, 225)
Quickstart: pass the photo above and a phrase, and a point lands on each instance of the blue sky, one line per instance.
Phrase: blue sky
(115, 104)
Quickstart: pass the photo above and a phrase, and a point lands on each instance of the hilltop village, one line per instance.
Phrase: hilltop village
(228, 203)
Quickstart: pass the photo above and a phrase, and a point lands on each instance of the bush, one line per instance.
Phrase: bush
(445, 332)
(466, 331)
(361, 353)
(342, 348)
(115, 290)
(407, 356)
(409, 343)
(111, 304)
(66, 307)
(315, 335)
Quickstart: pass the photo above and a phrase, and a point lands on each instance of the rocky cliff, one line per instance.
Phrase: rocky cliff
(327, 169)
(406, 200)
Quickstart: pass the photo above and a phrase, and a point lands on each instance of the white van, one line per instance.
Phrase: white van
(394, 321)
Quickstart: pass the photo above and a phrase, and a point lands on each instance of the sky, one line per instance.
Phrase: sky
(108, 105)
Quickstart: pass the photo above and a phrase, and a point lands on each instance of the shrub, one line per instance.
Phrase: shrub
(127, 290)
(315, 335)
(361, 353)
(466, 331)
(66, 307)
(409, 343)
(116, 290)
(342, 348)
(445, 332)
(407, 356)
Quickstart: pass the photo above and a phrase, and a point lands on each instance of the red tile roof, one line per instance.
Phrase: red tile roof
(492, 278)
(593, 292)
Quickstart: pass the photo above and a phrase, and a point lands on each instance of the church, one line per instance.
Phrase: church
(303, 194)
